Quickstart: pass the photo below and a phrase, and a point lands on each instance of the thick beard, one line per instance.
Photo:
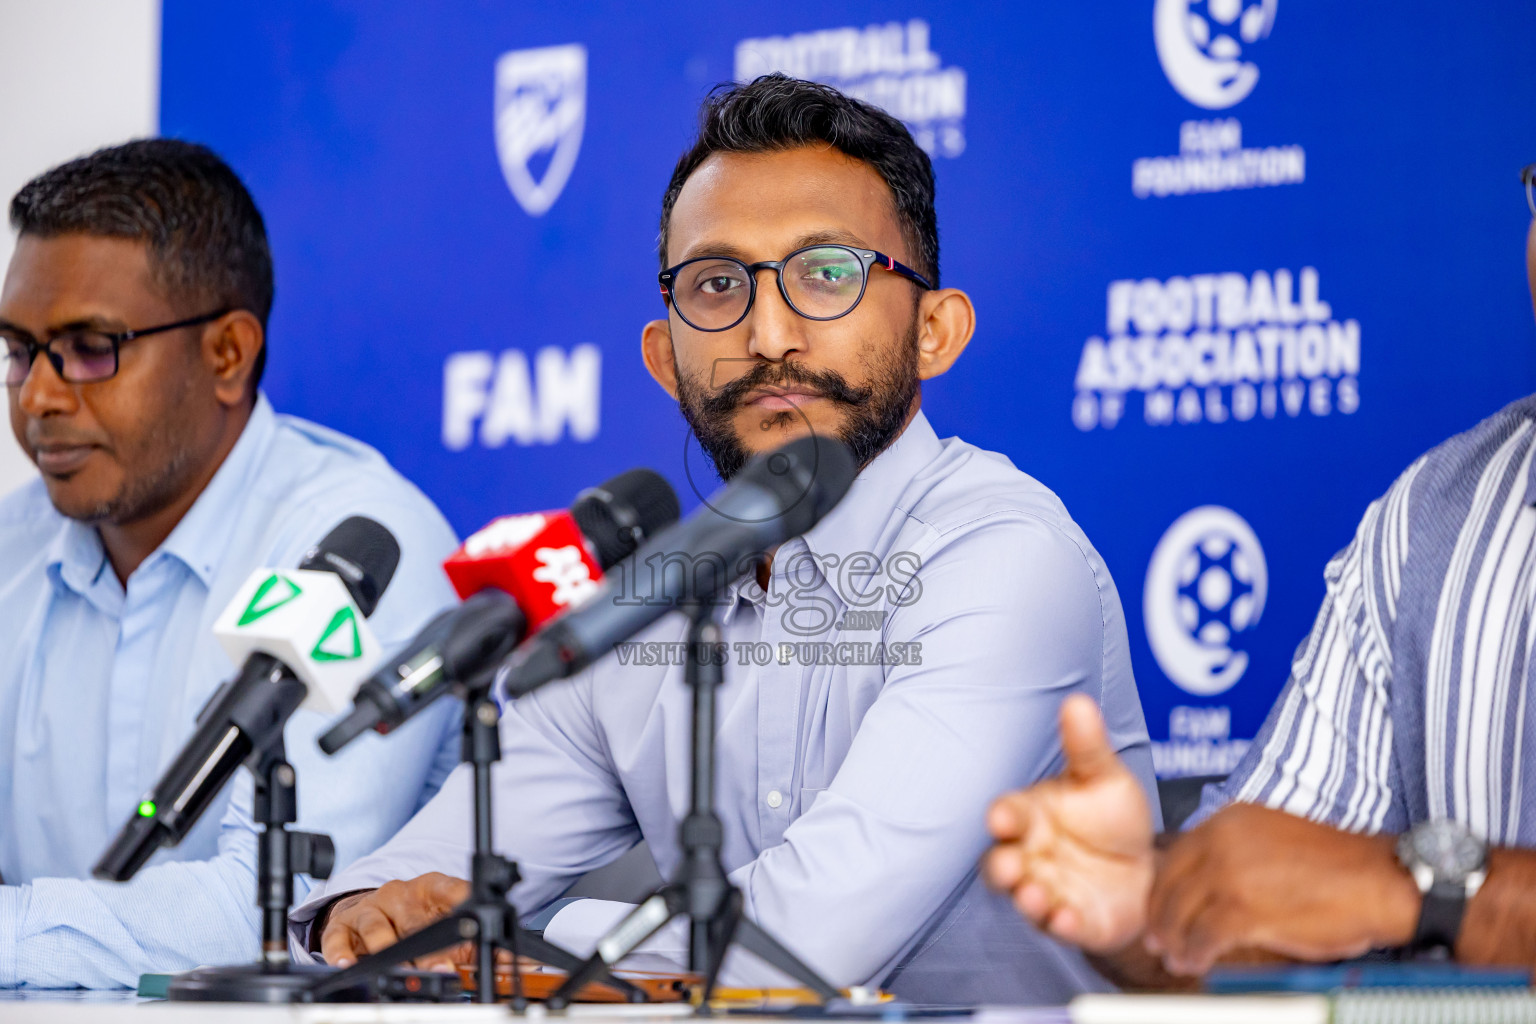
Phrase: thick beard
(876, 412)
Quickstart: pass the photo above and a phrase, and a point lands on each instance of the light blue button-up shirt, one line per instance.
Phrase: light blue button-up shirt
(853, 793)
(100, 684)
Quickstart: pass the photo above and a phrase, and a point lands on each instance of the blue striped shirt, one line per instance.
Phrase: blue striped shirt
(1410, 701)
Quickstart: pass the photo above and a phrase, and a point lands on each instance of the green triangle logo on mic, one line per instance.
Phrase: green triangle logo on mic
(340, 641)
(275, 591)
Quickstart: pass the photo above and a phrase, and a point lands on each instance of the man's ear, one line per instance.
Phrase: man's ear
(656, 350)
(230, 347)
(946, 321)
(1530, 261)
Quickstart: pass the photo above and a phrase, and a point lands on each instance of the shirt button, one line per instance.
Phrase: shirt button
(775, 798)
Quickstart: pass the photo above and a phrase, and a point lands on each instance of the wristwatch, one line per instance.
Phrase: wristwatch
(1448, 864)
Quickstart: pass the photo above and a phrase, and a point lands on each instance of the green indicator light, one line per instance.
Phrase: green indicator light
(147, 809)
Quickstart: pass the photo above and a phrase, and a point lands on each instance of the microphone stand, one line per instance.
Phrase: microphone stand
(486, 917)
(280, 854)
(701, 889)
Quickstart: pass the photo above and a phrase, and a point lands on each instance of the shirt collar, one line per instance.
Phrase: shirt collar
(200, 540)
(858, 521)
(201, 537)
(76, 558)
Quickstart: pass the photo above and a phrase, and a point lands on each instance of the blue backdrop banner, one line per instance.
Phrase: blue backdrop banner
(1236, 262)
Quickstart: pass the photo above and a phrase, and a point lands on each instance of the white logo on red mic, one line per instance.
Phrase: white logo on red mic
(566, 570)
(505, 534)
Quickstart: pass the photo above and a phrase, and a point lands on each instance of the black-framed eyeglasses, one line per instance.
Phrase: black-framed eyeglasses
(1528, 176)
(79, 355)
(820, 282)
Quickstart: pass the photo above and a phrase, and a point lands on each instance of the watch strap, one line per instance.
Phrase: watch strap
(1440, 917)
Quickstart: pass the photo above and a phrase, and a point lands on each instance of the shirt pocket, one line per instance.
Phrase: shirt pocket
(808, 797)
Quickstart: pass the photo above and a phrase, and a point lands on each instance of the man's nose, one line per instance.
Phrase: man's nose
(774, 329)
(44, 392)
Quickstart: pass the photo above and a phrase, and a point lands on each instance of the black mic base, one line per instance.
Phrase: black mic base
(261, 983)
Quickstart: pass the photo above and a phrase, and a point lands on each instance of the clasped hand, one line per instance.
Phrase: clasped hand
(368, 922)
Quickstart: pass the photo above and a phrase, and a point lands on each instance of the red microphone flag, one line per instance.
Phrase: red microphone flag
(540, 559)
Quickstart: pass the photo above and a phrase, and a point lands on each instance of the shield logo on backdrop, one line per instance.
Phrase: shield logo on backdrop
(541, 109)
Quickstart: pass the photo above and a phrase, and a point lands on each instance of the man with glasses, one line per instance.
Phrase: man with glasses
(1389, 801)
(132, 339)
(887, 671)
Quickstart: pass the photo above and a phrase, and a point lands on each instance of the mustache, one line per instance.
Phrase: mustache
(828, 383)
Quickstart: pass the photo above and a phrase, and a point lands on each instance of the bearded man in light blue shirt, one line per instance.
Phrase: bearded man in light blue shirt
(132, 338)
(889, 671)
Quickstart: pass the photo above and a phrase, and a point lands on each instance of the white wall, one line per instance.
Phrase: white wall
(75, 75)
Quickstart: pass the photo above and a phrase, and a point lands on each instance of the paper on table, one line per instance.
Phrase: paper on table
(1195, 1009)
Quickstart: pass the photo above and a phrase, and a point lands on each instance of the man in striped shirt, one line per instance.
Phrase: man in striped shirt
(1389, 800)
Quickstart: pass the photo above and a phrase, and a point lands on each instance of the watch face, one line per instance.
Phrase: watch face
(1449, 850)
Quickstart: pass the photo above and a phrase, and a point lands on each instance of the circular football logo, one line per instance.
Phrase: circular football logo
(1205, 586)
(1200, 45)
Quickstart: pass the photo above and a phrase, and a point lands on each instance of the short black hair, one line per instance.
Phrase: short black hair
(207, 241)
(776, 112)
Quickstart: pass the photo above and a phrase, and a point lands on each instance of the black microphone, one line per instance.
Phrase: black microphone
(776, 496)
(462, 648)
(247, 713)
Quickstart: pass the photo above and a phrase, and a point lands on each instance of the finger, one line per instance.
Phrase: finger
(1178, 891)
(446, 892)
(1009, 815)
(413, 905)
(1067, 925)
(1183, 857)
(353, 951)
(1004, 866)
(446, 961)
(1034, 902)
(437, 963)
(1084, 740)
(1192, 899)
(374, 928)
(340, 946)
(1209, 934)
(1040, 895)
